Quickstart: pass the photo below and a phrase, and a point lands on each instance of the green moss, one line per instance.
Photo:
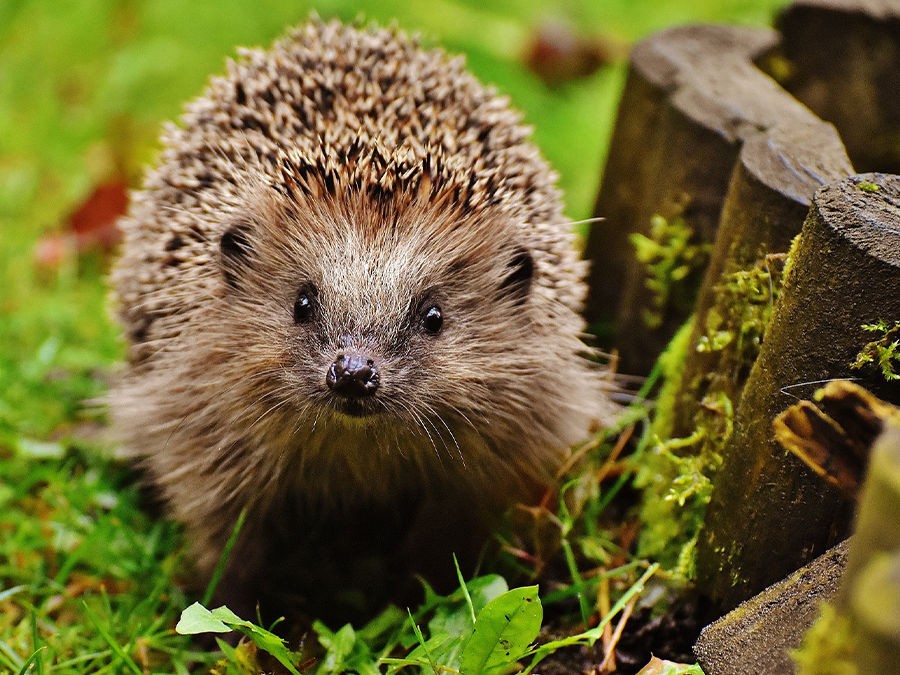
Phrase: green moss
(671, 474)
(676, 478)
(829, 646)
(671, 363)
(737, 323)
(789, 258)
(882, 353)
(669, 255)
(676, 473)
(868, 186)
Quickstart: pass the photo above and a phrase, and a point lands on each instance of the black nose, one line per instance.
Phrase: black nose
(353, 376)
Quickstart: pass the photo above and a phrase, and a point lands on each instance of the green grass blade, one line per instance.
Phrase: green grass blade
(115, 646)
(35, 659)
(465, 589)
(223, 559)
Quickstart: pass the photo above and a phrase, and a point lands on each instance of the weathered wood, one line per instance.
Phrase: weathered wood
(691, 98)
(760, 634)
(769, 514)
(842, 59)
(756, 638)
(773, 183)
(833, 434)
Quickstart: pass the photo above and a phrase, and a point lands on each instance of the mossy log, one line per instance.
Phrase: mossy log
(691, 98)
(769, 514)
(761, 634)
(756, 638)
(774, 180)
(772, 185)
(842, 59)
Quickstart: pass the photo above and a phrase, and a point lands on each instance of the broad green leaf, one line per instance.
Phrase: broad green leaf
(658, 666)
(224, 614)
(485, 588)
(503, 631)
(439, 650)
(197, 619)
(454, 618)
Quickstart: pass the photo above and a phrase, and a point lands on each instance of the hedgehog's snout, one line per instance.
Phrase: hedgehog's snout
(353, 376)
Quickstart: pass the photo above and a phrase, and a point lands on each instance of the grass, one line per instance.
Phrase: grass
(90, 582)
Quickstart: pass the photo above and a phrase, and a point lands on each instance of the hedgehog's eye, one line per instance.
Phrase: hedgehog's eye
(432, 320)
(304, 306)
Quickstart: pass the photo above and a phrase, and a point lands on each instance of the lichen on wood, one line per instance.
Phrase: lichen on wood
(769, 514)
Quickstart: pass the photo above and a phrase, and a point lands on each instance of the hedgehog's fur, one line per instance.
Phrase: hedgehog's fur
(384, 175)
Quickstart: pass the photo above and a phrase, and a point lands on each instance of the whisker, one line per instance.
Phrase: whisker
(421, 422)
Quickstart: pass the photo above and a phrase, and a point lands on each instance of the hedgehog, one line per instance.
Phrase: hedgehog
(352, 305)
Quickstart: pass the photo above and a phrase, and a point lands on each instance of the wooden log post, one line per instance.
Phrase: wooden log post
(842, 59)
(772, 185)
(777, 174)
(834, 433)
(769, 514)
(691, 98)
(757, 637)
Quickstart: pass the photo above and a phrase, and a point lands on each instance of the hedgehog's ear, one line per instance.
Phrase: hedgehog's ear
(519, 275)
(234, 252)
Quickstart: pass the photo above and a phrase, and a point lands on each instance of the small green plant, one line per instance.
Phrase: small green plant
(676, 471)
(483, 627)
(197, 619)
(676, 476)
(669, 255)
(491, 639)
(883, 352)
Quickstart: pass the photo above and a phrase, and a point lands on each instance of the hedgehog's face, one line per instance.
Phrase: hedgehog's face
(389, 327)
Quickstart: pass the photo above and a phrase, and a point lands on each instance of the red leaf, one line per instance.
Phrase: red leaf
(92, 226)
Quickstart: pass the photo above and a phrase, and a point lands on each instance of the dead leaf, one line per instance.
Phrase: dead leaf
(92, 226)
